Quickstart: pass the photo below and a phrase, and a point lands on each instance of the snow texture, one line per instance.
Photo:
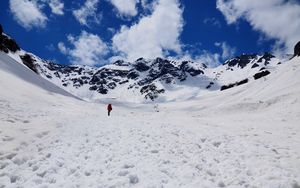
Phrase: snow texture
(247, 136)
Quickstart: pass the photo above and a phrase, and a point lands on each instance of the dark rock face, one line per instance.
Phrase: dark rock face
(209, 85)
(28, 60)
(141, 65)
(112, 85)
(162, 70)
(93, 88)
(297, 49)
(133, 75)
(255, 65)
(167, 78)
(242, 82)
(102, 90)
(192, 71)
(166, 71)
(107, 79)
(152, 91)
(224, 87)
(267, 57)
(121, 63)
(241, 61)
(261, 74)
(7, 44)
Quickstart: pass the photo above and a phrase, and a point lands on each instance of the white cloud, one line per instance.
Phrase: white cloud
(148, 6)
(88, 49)
(211, 59)
(227, 50)
(276, 19)
(56, 7)
(145, 4)
(61, 46)
(153, 35)
(125, 8)
(27, 13)
(206, 57)
(88, 13)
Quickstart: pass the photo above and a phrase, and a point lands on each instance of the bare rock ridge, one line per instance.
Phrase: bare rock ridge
(6, 43)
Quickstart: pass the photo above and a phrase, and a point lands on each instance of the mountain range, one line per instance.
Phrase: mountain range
(147, 80)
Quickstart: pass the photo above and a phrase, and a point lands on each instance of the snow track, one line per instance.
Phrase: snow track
(88, 149)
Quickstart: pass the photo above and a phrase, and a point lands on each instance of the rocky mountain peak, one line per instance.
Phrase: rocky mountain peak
(245, 59)
(145, 78)
(7, 44)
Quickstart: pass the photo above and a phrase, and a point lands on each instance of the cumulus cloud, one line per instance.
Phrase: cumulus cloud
(88, 13)
(126, 8)
(154, 35)
(87, 49)
(206, 57)
(145, 4)
(56, 7)
(28, 13)
(227, 50)
(276, 19)
(61, 46)
(210, 58)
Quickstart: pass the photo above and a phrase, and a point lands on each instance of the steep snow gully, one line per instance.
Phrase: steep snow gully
(247, 136)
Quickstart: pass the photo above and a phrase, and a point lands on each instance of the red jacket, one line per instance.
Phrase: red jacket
(109, 107)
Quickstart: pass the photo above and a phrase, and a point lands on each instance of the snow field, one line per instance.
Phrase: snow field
(247, 136)
(88, 149)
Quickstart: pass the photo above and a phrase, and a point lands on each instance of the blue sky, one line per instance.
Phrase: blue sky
(96, 32)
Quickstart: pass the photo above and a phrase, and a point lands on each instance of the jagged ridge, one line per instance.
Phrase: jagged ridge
(147, 78)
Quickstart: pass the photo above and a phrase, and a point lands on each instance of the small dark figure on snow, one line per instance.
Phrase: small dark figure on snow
(109, 109)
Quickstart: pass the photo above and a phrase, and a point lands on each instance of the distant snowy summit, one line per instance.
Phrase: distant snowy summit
(146, 80)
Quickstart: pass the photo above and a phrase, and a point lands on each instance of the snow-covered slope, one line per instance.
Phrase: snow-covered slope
(247, 136)
(9, 65)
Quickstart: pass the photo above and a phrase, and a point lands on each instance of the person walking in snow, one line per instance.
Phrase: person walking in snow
(109, 108)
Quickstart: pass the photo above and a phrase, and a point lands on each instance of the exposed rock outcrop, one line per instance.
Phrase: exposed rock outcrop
(28, 60)
(6, 43)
